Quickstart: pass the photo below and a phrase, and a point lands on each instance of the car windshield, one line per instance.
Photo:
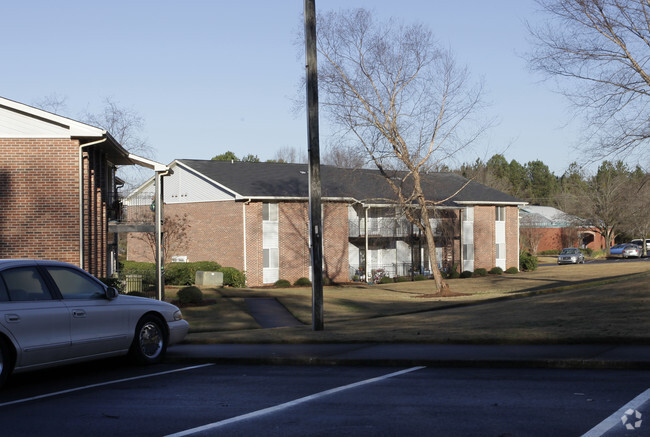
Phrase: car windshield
(569, 251)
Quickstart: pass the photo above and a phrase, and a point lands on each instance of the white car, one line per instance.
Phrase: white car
(54, 313)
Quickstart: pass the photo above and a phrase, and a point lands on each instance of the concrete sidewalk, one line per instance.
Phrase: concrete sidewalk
(434, 355)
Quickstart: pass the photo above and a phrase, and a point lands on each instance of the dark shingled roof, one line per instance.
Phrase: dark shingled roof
(263, 179)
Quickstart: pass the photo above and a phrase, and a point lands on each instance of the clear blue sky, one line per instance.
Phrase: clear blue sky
(211, 75)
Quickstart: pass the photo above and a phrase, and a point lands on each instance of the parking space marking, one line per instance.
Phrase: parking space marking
(615, 419)
(290, 404)
(101, 384)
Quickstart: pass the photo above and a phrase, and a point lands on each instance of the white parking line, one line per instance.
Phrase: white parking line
(615, 419)
(290, 404)
(100, 384)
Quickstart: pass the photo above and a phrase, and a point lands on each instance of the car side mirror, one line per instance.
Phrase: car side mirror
(111, 293)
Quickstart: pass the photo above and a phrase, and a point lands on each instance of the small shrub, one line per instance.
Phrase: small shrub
(190, 295)
(419, 278)
(466, 274)
(527, 262)
(480, 272)
(401, 279)
(512, 270)
(386, 280)
(302, 282)
(496, 271)
(282, 283)
(233, 277)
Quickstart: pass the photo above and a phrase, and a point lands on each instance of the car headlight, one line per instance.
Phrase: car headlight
(178, 315)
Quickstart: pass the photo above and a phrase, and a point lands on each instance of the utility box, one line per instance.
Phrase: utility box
(209, 279)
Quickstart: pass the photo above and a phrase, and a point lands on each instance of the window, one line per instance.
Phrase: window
(501, 251)
(75, 285)
(468, 252)
(25, 283)
(270, 212)
(271, 258)
(501, 214)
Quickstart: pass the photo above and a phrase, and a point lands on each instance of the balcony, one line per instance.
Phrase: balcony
(132, 214)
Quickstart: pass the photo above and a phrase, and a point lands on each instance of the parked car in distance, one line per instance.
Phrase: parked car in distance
(625, 251)
(571, 255)
(639, 242)
(54, 313)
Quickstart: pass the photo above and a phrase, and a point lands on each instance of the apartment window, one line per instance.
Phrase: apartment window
(501, 214)
(270, 212)
(468, 252)
(270, 243)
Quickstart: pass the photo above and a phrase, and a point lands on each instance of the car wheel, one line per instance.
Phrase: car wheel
(6, 361)
(150, 341)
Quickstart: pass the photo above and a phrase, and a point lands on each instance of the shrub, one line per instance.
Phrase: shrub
(401, 279)
(512, 270)
(527, 262)
(180, 274)
(386, 280)
(302, 282)
(466, 274)
(190, 295)
(282, 283)
(112, 282)
(480, 272)
(419, 278)
(550, 252)
(233, 277)
(496, 271)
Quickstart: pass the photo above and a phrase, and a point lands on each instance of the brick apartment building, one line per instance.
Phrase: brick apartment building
(58, 188)
(546, 228)
(254, 217)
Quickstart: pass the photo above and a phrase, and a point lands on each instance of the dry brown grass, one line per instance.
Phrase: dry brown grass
(556, 305)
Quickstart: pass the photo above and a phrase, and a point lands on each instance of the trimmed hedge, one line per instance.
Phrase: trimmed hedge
(302, 282)
(496, 271)
(282, 283)
(512, 270)
(190, 295)
(480, 272)
(466, 274)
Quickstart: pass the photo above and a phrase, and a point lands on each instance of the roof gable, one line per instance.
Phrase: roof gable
(18, 120)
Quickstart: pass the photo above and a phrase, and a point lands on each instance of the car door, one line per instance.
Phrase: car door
(39, 323)
(97, 325)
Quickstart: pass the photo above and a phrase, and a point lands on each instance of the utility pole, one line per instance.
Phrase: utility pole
(315, 221)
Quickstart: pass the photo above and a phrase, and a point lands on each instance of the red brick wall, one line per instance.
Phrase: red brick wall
(336, 263)
(484, 237)
(215, 233)
(39, 199)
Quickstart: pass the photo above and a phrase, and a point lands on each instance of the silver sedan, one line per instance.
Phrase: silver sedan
(571, 255)
(53, 313)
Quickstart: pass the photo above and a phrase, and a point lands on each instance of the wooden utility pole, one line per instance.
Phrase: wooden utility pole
(315, 220)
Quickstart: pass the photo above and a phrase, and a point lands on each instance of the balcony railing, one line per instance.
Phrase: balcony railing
(137, 209)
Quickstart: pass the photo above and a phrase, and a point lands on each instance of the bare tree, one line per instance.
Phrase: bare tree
(339, 155)
(53, 103)
(599, 52)
(402, 98)
(175, 236)
(126, 126)
(289, 154)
